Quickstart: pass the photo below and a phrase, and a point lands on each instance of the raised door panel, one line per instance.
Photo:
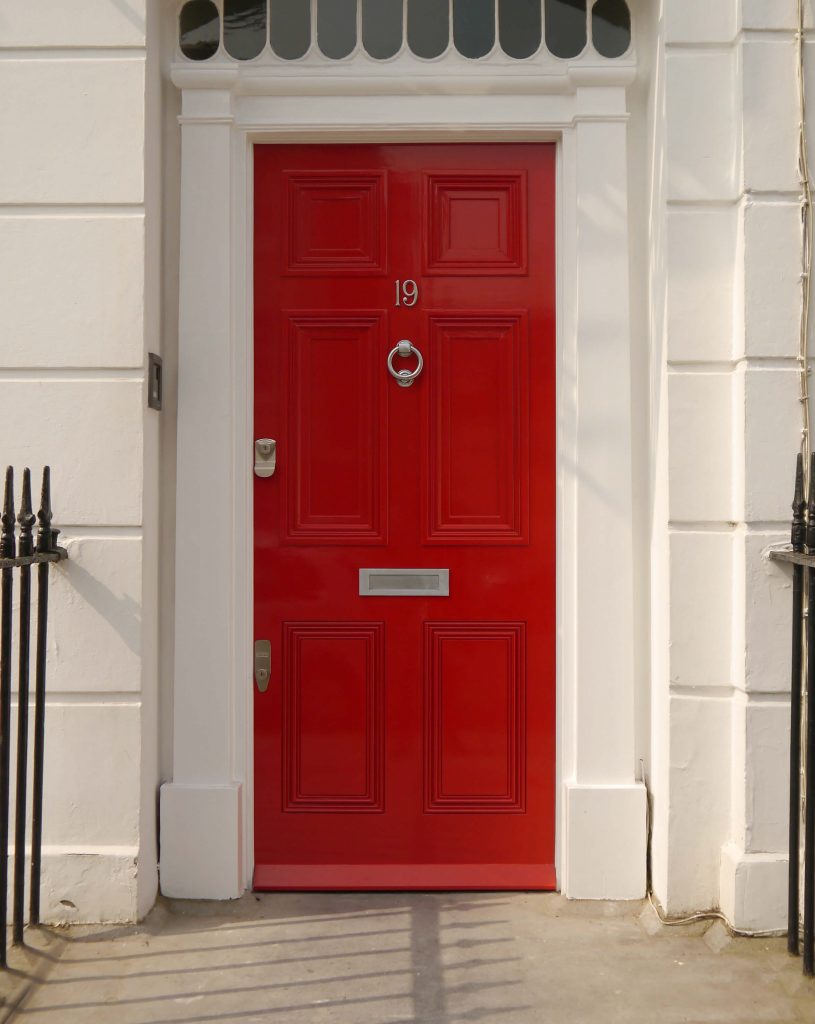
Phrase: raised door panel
(335, 223)
(477, 479)
(475, 717)
(335, 492)
(476, 224)
(333, 701)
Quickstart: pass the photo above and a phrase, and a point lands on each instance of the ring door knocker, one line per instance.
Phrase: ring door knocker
(405, 378)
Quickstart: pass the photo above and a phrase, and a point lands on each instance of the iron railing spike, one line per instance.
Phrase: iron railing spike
(26, 517)
(45, 533)
(810, 527)
(7, 536)
(798, 535)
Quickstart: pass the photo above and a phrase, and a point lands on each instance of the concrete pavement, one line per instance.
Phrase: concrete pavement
(402, 958)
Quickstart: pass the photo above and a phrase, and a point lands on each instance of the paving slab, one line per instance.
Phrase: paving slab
(414, 958)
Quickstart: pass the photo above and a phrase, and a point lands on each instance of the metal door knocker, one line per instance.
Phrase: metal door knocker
(405, 378)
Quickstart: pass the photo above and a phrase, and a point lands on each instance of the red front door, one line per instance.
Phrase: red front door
(407, 735)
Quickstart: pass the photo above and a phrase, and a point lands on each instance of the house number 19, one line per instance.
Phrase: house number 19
(407, 293)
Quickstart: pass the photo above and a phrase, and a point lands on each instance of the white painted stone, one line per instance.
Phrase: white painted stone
(701, 609)
(772, 439)
(768, 606)
(767, 739)
(89, 431)
(201, 856)
(88, 884)
(94, 641)
(80, 23)
(698, 795)
(72, 131)
(700, 443)
(71, 291)
(605, 858)
(701, 125)
(700, 283)
(773, 14)
(772, 279)
(770, 103)
(604, 451)
(700, 21)
(754, 889)
(91, 791)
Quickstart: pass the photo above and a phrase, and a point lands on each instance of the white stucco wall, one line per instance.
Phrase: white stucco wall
(725, 309)
(79, 279)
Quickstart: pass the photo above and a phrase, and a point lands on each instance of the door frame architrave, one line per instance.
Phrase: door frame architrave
(206, 810)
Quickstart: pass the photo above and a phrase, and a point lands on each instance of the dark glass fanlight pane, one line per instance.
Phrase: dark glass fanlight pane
(611, 27)
(244, 28)
(519, 27)
(428, 27)
(474, 27)
(382, 27)
(199, 29)
(291, 28)
(566, 27)
(337, 27)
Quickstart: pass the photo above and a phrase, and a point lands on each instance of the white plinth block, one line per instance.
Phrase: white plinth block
(201, 831)
(605, 849)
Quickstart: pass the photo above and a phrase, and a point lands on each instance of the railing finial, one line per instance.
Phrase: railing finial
(7, 538)
(26, 517)
(810, 533)
(798, 507)
(45, 533)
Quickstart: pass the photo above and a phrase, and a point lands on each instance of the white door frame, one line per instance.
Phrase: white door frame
(207, 808)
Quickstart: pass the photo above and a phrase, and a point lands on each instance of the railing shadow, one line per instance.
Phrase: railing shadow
(365, 957)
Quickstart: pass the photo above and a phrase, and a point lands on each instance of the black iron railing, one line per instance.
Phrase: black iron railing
(18, 555)
(801, 553)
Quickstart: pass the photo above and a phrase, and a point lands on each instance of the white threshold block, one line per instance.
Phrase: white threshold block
(201, 838)
(753, 889)
(605, 842)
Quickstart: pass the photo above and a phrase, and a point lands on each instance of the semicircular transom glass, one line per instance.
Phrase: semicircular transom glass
(566, 27)
(428, 27)
(474, 27)
(199, 30)
(611, 27)
(290, 28)
(336, 27)
(382, 27)
(519, 27)
(244, 28)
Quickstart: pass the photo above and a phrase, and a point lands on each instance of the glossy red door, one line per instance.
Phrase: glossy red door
(406, 741)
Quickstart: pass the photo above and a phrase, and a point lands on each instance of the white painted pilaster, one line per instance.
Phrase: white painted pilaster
(201, 837)
(605, 814)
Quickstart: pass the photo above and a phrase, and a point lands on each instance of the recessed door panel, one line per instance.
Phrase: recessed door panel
(475, 717)
(333, 738)
(478, 454)
(336, 223)
(336, 492)
(405, 537)
(476, 223)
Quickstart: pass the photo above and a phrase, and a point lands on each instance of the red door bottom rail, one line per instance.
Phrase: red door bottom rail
(22, 556)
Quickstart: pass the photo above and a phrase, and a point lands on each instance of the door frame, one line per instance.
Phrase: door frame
(207, 808)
